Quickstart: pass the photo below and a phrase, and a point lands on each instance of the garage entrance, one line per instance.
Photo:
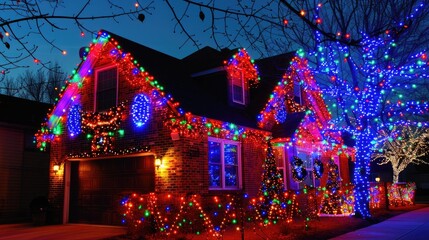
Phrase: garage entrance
(98, 186)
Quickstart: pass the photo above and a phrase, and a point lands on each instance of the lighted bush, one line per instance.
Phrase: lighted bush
(401, 194)
(136, 215)
(164, 215)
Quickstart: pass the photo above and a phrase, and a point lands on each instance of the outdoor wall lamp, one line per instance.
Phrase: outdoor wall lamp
(56, 167)
(377, 179)
(158, 162)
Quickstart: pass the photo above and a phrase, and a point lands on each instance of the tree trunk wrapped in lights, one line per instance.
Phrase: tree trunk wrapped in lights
(370, 57)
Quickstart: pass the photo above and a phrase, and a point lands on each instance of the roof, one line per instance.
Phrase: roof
(22, 111)
(288, 127)
(206, 95)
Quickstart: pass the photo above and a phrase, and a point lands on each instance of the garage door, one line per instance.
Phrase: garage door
(97, 187)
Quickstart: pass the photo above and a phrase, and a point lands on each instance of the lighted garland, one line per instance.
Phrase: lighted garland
(299, 173)
(102, 127)
(317, 168)
(111, 152)
(193, 126)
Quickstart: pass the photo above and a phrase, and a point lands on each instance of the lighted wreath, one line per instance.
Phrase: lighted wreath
(298, 171)
(140, 110)
(74, 120)
(317, 168)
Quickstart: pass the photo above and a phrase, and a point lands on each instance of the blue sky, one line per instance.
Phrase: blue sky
(156, 31)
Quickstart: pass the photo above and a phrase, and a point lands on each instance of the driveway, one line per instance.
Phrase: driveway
(60, 232)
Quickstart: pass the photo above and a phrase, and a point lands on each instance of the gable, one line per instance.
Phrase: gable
(107, 50)
(281, 109)
(104, 50)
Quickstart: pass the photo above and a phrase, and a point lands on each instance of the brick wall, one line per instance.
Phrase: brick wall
(253, 157)
(185, 161)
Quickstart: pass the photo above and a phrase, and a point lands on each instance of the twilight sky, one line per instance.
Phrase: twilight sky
(156, 31)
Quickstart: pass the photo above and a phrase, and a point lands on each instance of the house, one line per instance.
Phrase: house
(132, 119)
(23, 168)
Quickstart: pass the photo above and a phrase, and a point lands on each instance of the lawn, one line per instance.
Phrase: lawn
(318, 228)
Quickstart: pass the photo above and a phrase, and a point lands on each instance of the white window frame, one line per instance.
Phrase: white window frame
(97, 71)
(243, 102)
(222, 143)
(309, 169)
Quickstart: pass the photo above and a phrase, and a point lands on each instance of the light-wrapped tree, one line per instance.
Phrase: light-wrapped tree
(401, 146)
(271, 206)
(369, 57)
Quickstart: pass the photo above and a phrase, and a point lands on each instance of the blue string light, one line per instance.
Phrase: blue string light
(74, 120)
(371, 96)
(140, 110)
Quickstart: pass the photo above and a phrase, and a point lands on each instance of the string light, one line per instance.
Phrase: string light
(102, 127)
(74, 120)
(242, 66)
(172, 214)
(140, 110)
(271, 207)
(174, 118)
(332, 198)
(374, 97)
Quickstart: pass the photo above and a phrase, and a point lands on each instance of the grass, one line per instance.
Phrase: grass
(318, 228)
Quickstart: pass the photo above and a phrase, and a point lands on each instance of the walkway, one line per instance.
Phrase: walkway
(412, 225)
(59, 232)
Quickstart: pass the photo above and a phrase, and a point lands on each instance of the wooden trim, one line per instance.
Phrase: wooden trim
(110, 157)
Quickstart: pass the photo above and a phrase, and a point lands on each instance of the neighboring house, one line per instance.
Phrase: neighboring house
(23, 168)
(132, 119)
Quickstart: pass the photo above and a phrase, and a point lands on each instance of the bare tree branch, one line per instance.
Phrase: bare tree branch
(39, 16)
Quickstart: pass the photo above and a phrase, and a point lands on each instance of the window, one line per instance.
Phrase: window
(308, 159)
(106, 88)
(224, 164)
(297, 92)
(238, 94)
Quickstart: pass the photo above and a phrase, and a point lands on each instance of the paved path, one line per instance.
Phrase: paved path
(58, 232)
(412, 225)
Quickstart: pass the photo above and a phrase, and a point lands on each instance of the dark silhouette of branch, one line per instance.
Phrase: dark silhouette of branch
(39, 16)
